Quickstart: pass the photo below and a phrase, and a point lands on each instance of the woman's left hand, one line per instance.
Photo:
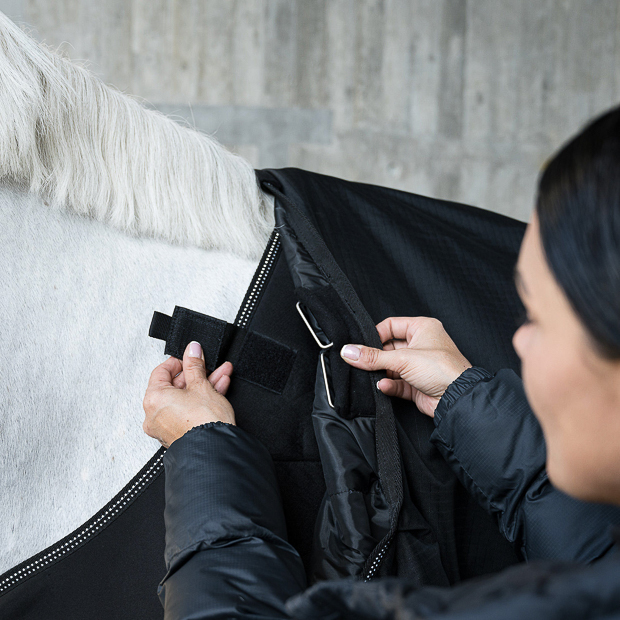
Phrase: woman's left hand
(180, 396)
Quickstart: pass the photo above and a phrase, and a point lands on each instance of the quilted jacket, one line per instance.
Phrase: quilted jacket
(395, 526)
(227, 554)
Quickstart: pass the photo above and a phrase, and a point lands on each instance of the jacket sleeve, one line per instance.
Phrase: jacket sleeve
(543, 589)
(226, 552)
(487, 432)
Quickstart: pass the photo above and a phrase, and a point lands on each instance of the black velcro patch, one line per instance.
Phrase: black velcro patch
(187, 325)
(255, 358)
(265, 362)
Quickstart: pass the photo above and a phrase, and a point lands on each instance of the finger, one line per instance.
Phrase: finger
(164, 373)
(194, 367)
(223, 384)
(397, 387)
(224, 369)
(179, 381)
(425, 404)
(392, 374)
(394, 344)
(399, 327)
(369, 358)
(394, 328)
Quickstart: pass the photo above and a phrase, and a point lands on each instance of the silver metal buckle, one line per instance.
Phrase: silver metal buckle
(303, 316)
(323, 349)
(329, 398)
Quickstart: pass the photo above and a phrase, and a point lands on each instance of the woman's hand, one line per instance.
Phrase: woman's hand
(419, 356)
(180, 396)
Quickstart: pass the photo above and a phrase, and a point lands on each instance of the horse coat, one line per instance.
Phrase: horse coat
(342, 257)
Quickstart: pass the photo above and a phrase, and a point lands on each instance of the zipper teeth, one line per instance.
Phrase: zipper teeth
(261, 278)
(376, 562)
(83, 534)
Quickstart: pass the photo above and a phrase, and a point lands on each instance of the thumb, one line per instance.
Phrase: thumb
(368, 358)
(194, 369)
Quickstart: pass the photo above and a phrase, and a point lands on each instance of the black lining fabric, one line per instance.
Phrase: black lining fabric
(264, 362)
(388, 454)
(408, 255)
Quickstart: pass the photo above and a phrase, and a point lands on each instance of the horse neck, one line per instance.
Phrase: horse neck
(76, 305)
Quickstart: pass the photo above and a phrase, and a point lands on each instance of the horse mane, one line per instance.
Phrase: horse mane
(85, 146)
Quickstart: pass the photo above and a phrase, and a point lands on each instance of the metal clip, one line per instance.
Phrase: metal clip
(303, 316)
(329, 398)
(323, 347)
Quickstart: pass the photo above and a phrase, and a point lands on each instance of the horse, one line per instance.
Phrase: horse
(109, 210)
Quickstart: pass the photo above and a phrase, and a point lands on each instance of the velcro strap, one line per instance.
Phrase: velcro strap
(255, 358)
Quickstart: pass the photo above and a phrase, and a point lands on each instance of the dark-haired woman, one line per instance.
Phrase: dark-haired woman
(568, 276)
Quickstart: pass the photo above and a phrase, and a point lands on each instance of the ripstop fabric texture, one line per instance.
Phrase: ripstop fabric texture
(383, 253)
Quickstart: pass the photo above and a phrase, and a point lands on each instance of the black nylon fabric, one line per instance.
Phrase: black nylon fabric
(549, 590)
(407, 255)
(253, 539)
(403, 255)
(228, 556)
(248, 577)
(112, 575)
(484, 427)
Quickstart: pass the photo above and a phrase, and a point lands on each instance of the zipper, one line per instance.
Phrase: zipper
(261, 275)
(83, 534)
(303, 231)
(377, 561)
(153, 468)
(244, 316)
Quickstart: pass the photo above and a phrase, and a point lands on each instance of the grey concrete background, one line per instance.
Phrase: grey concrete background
(458, 99)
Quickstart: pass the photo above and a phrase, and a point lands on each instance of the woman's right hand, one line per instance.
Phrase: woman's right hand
(420, 358)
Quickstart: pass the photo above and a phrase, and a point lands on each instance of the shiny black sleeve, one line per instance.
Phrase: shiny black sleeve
(487, 432)
(226, 553)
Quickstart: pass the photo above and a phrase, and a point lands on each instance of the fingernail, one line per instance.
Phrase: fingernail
(195, 350)
(378, 388)
(351, 352)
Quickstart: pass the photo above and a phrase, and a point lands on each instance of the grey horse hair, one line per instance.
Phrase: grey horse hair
(85, 146)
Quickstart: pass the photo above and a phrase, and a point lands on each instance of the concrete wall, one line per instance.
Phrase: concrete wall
(459, 99)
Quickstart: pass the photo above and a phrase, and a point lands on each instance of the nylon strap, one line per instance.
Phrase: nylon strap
(255, 358)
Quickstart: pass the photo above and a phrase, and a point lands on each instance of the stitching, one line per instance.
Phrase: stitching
(84, 532)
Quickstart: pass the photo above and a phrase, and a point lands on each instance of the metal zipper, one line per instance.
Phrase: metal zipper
(376, 562)
(153, 467)
(79, 537)
(258, 281)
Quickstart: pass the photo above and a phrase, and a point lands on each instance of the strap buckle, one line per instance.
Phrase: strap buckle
(323, 346)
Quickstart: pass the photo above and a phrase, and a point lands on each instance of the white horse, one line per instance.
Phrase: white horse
(108, 211)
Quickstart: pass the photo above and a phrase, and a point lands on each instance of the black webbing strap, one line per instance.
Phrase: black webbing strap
(255, 358)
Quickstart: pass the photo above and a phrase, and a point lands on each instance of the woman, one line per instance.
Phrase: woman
(568, 276)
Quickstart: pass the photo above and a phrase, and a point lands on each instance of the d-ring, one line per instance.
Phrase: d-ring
(323, 348)
(329, 398)
(303, 316)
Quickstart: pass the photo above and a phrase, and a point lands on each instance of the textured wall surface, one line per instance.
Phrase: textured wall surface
(458, 99)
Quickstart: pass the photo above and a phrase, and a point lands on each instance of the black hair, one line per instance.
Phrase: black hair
(578, 208)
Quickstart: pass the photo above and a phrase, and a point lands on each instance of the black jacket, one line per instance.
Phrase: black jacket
(227, 554)
(392, 505)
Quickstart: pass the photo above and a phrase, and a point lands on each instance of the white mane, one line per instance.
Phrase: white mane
(85, 146)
